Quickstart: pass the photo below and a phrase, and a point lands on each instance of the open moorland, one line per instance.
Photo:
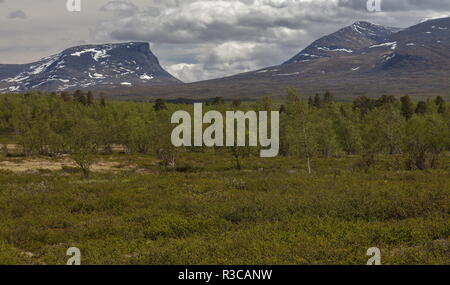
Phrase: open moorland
(101, 176)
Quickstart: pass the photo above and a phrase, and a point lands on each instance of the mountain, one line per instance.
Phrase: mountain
(104, 66)
(345, 41)
(416, 50)
(361, 59)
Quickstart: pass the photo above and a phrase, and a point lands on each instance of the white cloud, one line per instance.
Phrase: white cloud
(196, 39)
(123, 8)
(228, 35)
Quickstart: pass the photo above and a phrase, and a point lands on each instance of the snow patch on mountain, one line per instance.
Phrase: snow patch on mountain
(434, 18)
(146, 77)
(336, 49)
(96, 54)
(393, 45)
(93, 66)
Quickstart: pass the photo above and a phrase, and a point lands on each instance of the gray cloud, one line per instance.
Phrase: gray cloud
(18, 14)
(198, 39)
(398, 5)
(122, 8)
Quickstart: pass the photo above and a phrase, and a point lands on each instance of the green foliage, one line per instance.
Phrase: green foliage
(407, 107)
(218, 101)
(363, 104)
(53, 125)
(383, 129)
(421, 108)
(425, 139)
(84, 160)
(328, 97)
(348, 134)
(236, 103)
(199, 210)
(280, 215)
(159, 105)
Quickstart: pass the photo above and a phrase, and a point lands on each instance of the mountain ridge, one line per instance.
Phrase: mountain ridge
(346, 40)
(413, 61)
(88, 66)
(360, 59)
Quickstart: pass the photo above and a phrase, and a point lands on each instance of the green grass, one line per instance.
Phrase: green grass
(272, 212)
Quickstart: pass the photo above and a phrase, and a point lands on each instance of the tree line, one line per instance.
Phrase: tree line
(82, 126)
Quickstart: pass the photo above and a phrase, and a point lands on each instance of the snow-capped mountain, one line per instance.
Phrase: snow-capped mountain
(361, 59)
(104, 66)
(368, 49)
(345, 41)
(422, 47)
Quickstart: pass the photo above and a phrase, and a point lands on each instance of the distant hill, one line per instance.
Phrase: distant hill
(90, 66)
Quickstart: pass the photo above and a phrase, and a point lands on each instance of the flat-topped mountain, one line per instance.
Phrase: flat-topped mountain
(89, 66)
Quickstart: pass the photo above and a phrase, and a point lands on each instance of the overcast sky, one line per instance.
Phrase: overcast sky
(194, 39)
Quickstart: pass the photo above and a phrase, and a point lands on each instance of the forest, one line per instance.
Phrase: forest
(103, 175)
(53, 125)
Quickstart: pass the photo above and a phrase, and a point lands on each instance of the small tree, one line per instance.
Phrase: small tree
(236, 103)
(159, 105)
(265, 104)
(426, 137)
(421, 108)
(65, 96)
(239, 152)
(348, 135)
(310, 101)
(162, 144)
(82, 143)
(80, 97)
(383, 130)
(363, 104)
(90, 98)
(103, 101)
(317, 101)
(218, 101)
(407, 107)
(384, 100)
(440, 103)
(84, 159)
(328, 97)
(298, 125)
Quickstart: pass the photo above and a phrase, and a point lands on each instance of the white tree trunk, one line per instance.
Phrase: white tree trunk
(308, 159)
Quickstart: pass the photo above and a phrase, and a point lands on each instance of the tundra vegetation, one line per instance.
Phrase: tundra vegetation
(350, 176)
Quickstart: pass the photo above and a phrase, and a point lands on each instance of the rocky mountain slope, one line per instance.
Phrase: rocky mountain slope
(345, 41)
(91, 66)
(362, 59)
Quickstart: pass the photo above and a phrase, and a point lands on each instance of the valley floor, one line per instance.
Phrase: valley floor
(271, 212)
